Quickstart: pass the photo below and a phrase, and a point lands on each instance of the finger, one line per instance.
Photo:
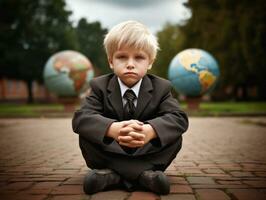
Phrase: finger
(125, 138)
(126, 123)
(132, 121)
(137, 121)
(137, 142)
(125, 130)
(136, 127)
(137, 136)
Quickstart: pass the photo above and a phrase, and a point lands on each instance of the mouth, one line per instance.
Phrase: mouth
(130, 74)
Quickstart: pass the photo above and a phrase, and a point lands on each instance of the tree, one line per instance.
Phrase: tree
(30, 32)
(170, 40)
(234, 32)
(90, 37)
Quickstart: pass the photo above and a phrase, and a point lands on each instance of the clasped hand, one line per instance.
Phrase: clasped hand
(132, 133)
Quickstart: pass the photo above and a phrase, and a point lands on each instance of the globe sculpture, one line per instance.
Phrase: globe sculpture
(193, 73)
(67, 73)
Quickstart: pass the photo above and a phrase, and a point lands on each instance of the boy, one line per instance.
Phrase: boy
(130, 127)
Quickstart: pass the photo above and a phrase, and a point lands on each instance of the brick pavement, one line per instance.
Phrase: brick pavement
(221, 158)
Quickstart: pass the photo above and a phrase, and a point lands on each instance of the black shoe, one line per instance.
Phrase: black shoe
(155, 181)
(100, 179)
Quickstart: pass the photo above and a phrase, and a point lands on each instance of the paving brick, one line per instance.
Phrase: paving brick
(241, 174)
(173, 173)
(186, 170)
(185, 164)
(42, 188)
(257, 184)
(210, 194)
(177, 180)
(213, 171)
(200, 180)
(37, 179)
(68, 189)
(230, 182)
(65, 171)
(229, 178)
(180, 189)
(143, 196)
(45, 185)
(178, 197)
(209, 175)
(213, 186)
(17, 186)
(110, 195)
(74, 181)
(23, 197)
(51, 166)
(71, 197)
(247, 194)
(261, 174)
(254, 166)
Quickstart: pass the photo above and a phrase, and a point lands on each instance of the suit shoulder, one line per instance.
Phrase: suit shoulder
(101, 81)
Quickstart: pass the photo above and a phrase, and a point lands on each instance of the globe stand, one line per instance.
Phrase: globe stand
(69, 103)
(193, 103)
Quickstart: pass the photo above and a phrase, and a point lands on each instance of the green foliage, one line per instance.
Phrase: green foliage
(234, 32)
(170, 40)
(90, 38)
(31, 31)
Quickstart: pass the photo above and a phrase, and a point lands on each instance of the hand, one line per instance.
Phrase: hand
(133, 136)
(115, 128)
(133, 139)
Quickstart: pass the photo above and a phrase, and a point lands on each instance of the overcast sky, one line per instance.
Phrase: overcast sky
(153, 13)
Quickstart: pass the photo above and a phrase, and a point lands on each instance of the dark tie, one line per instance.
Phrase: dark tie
(129, 108)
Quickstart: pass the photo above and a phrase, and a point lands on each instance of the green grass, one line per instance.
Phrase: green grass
(31, 110)
(229, 108)
(206, 109)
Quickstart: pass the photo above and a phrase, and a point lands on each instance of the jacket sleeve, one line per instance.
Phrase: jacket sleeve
(88, 121)
(171, 122)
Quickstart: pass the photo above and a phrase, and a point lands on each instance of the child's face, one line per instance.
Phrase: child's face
(130, 65)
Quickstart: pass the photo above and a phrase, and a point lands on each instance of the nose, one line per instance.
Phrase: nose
(130, 64)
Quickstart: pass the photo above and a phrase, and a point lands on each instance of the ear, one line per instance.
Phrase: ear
(110, 62)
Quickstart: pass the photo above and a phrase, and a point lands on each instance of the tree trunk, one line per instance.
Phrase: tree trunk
(262, 91)
(245, 96)
(30, 95)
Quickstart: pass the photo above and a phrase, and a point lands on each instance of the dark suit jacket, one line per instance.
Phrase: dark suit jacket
(155, 105)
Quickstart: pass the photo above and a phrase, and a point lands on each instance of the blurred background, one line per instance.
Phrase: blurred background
(233, 32)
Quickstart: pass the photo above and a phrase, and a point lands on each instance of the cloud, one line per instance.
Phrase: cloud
(153, 13)
(128, 4)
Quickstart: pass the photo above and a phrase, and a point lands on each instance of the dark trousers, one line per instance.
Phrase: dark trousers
(127, 166)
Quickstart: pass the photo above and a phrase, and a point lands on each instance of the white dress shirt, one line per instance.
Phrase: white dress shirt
(124, 88)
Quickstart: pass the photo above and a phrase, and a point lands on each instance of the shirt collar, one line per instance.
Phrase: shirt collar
(135, 88)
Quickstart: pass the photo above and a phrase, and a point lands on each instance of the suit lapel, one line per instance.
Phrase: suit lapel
(114, 96)
(144, 96)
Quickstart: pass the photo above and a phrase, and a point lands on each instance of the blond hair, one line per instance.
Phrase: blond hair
(131, 34)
